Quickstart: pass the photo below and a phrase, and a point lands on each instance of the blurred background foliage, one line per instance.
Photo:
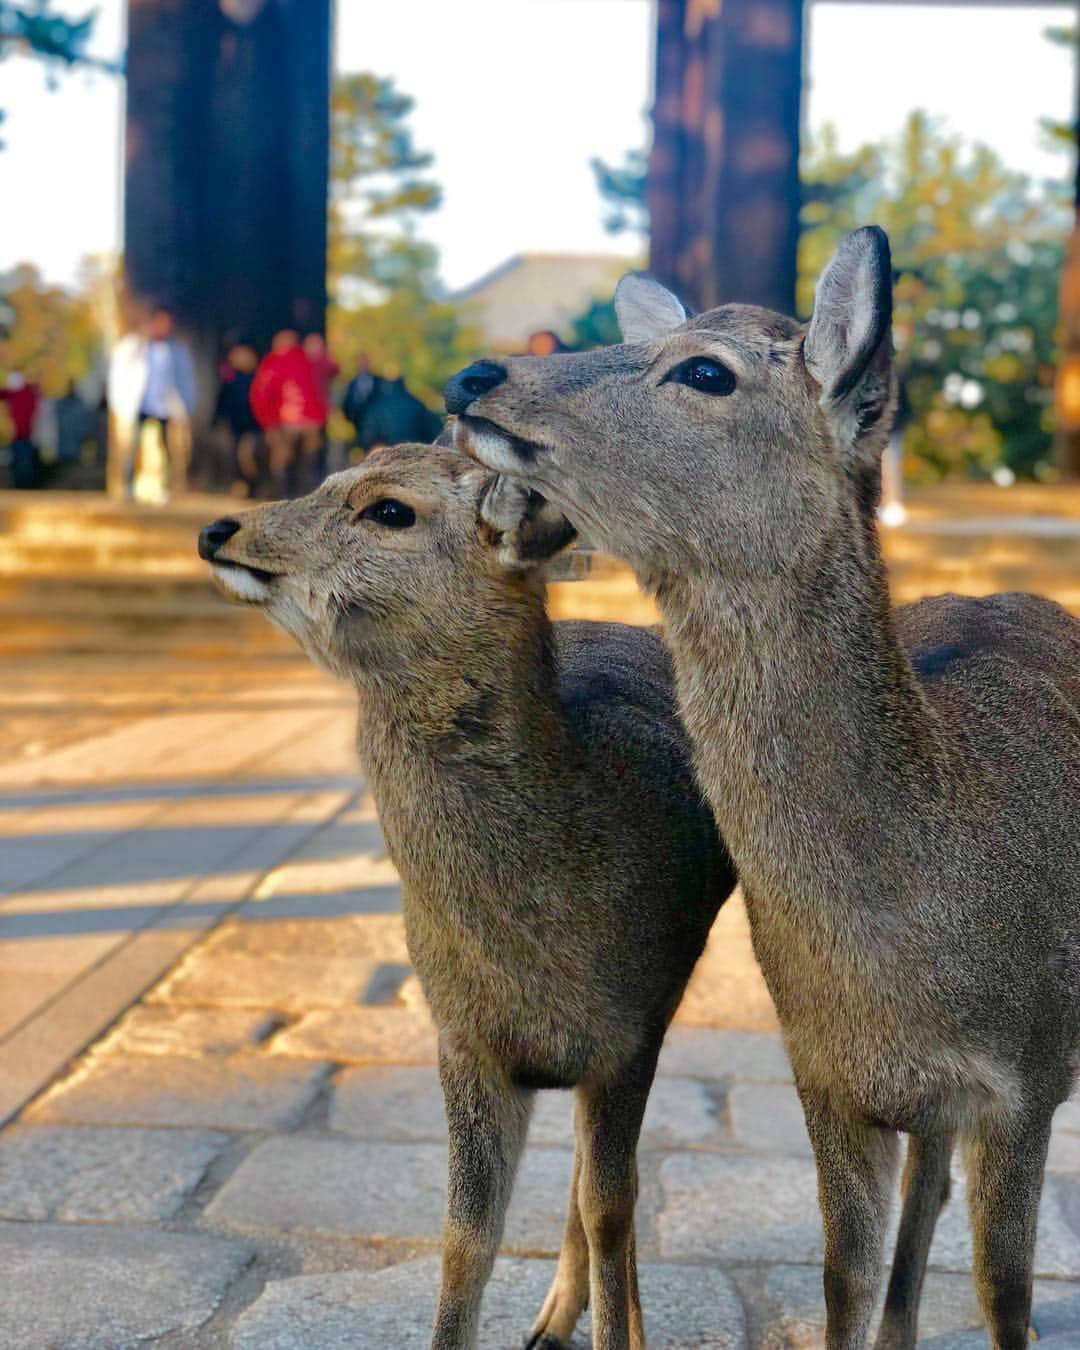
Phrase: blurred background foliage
(36, 29)
(47, 334)
(386, 296)
(977, 247)
(977, 251)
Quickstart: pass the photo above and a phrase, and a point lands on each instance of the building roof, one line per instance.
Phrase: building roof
(534, 291)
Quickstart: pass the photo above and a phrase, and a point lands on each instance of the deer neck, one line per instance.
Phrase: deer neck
(468, 743)
(813, 739)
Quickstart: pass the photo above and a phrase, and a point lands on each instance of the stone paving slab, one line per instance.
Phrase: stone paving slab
(86, 1173)
(792, 1311)
(361, 1035)
(24, 991)
(397, 1102)
(707, 1052)
(686, 1308)
(153, 938)
(230, 1093)
(289, 983)
(768, 1118)
(95, 1288)
(380, 1190)
(375, 937)
(153, 1029)
(735, 1208)
(764, 1208)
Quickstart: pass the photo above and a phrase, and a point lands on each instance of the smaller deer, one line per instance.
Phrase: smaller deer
(561, 871)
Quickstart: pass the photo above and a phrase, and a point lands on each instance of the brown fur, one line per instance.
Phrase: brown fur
(561, 870)
(900, 793)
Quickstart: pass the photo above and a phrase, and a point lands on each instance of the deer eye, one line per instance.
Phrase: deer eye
(391, 513)
(704, 374)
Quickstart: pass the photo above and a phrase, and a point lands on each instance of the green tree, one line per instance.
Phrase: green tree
(35, 29)
(977, 255)
(378, 188)
(622, 192)
(386, 297)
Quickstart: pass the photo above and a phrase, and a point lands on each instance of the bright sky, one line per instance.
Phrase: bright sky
(515, 96)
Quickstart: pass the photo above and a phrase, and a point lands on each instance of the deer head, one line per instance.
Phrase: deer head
(728, 439)
(403, 561)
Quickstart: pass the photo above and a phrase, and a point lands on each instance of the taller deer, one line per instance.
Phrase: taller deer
(900, 791)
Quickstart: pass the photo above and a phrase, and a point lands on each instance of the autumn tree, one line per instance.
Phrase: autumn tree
(46, 333)
(386, 298)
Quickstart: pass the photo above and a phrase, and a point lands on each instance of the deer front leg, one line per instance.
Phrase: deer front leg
(925, 1189)
(569, 1292)
(487, 1119)
(1005, 1164)
(609, 1124)
(856, 1167)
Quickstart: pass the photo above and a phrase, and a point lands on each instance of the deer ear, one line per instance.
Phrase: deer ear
(848, 348)
(645, 309)
(524, 529)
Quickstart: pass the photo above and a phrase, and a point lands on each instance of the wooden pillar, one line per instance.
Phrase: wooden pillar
(723, 188)
(226, 165)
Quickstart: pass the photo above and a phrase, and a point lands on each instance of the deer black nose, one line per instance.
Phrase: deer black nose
(213, 537)
(473, 382)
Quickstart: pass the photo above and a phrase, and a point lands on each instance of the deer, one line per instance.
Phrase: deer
(899, 789)
(560, 867)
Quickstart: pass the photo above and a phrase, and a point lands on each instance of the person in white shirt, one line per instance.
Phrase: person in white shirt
(151, 380)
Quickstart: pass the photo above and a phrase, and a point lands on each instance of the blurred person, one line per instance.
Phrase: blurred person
(324, 367)
(22, 401)
(285, 400)
(326, 370)
(234, 411)
(393, 415)
(358, 394)
(151, 384)
(544, 343)
(74, 425)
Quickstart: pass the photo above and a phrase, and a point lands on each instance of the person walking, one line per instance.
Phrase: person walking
(358, 394)
(393, 415)
(285, 400)
(22, 401)
(234, 410)
(74, 425)
(151, 383)
(326, 370)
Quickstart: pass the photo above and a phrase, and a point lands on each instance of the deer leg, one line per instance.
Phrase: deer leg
(1006, 1161)
(610, 1118)
(487, 1119)
(925, 1189)
(637, 1324)
(856, 1166)
(569, 1293)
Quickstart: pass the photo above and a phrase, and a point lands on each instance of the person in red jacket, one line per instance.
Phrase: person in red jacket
(285, 400)
(326, 372)
(22, 400)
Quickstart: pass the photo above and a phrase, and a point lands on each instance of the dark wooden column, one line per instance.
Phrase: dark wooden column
(227, 161)
(723, 188)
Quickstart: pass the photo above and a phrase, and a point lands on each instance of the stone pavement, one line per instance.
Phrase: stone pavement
(224, 1126)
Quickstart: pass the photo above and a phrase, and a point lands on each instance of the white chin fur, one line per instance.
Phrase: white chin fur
(239, 584)
(491, 449)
